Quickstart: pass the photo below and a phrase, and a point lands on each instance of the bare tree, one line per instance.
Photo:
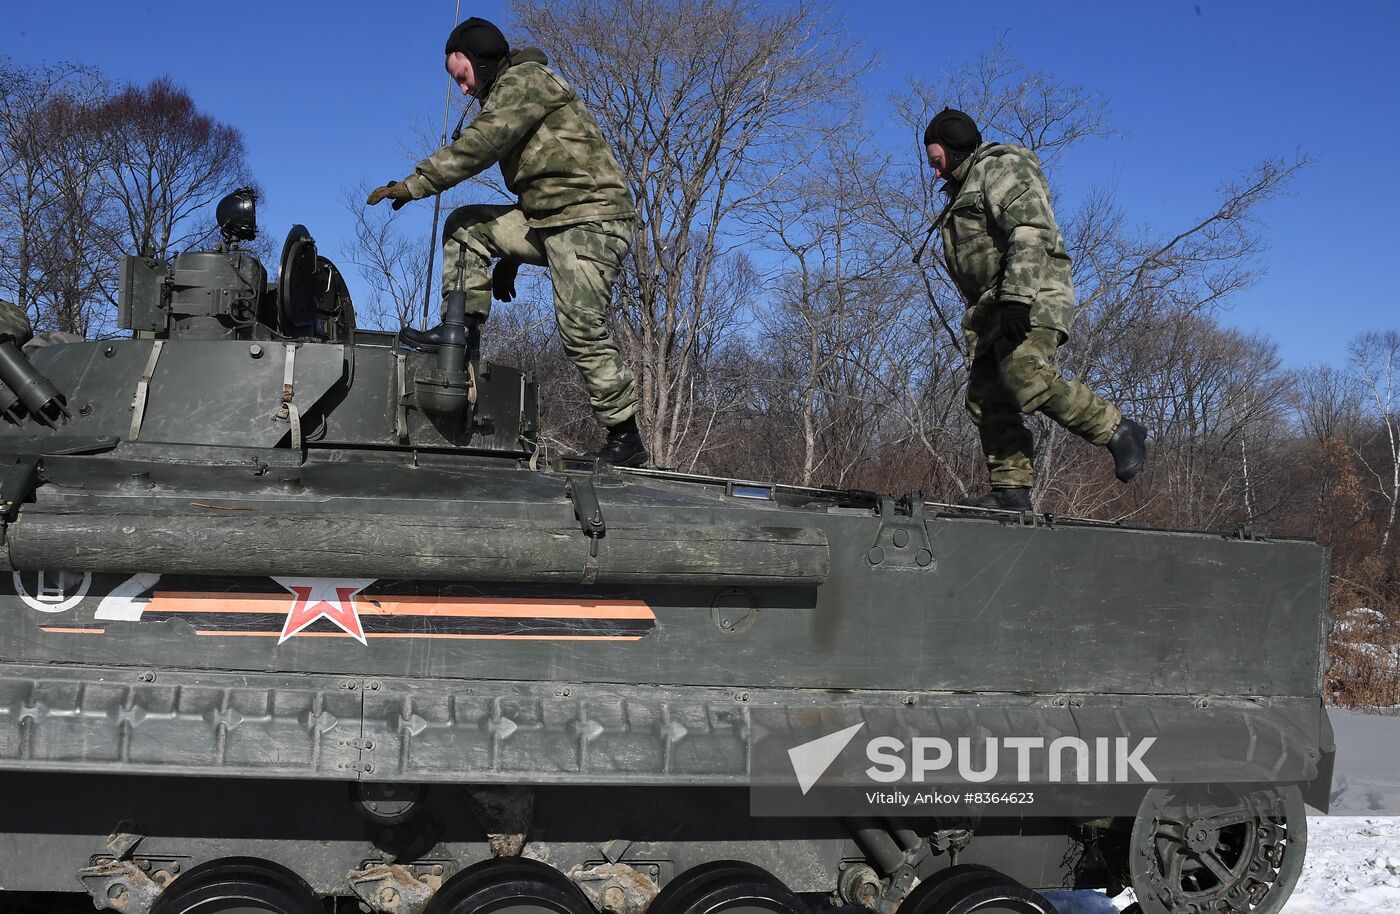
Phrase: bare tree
(76, 274)
(699, 98)
(389, 259)
(1327, 403)
(87, 176)
(925, 391)
(1375, 362)
(834, 306)
(47, 167)
(1211, 402)
(24, 193)
(719, 296)
(169, 161)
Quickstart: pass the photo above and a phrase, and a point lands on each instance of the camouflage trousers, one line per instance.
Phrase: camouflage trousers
(1005, 383)
(583, 262)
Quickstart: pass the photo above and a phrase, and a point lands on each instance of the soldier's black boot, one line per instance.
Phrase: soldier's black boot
(1002, 498)
(624, 446)
(431, 340)
(1129, 449)
(421, 340)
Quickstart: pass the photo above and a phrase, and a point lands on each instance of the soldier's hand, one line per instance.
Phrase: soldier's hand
(1015, 322)
(503, 279)
(394, 190)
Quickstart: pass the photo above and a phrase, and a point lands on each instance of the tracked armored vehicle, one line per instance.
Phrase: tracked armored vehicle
(296, 621)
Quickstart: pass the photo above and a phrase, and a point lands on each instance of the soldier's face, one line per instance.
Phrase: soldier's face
(459, 67)
(938, 159)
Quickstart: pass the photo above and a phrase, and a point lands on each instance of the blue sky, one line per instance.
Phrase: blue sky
(324, 93)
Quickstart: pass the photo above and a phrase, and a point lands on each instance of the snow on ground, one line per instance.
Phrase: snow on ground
(1352, 867)
(1367, 777)
(1353, 861)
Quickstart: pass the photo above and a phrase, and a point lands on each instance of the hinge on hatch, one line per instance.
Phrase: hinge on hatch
(902, 543)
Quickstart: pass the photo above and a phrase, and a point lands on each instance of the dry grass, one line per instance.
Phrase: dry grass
(1365, 650)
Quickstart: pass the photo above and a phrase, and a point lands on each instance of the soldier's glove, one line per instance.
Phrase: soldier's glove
(503, 279)
(1015, 322)
(395, 190)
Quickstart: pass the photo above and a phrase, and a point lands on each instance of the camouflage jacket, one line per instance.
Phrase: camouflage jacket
(1001, 243)
(552, 153)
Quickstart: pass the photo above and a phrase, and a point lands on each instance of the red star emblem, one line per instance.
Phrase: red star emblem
(330, 598)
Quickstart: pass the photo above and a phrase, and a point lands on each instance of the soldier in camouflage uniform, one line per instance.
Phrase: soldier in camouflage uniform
(1007, 257)
(574, 215)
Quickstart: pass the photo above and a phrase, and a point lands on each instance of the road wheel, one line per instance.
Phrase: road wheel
(973, 889)
(510, 885)
(240, 885)
(727, 886)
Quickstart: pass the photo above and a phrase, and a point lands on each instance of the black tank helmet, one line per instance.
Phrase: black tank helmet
(484, 45)
(237, 215)
(956, 131)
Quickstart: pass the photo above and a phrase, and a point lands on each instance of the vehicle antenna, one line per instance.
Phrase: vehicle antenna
(437, 198)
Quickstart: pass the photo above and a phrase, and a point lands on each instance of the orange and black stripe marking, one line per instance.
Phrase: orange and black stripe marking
(260, 607)
(409, 616)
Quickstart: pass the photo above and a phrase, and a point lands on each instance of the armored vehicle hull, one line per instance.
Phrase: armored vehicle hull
(276, 625)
